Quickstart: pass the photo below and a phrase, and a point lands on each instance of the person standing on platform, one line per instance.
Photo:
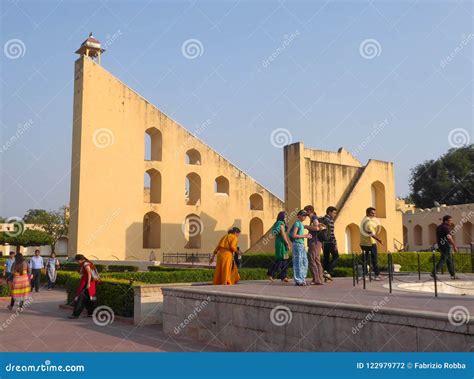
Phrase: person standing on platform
(282, 248)
(36, 266)
(445, 242)
(368, 241)
(330, 249)
(314, 247)
(300, 257)
(21, 286)
(226, 272)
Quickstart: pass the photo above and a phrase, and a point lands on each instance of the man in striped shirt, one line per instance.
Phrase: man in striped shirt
(330, 244)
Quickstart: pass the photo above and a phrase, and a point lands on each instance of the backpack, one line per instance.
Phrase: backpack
(325, 234)
(94, 273)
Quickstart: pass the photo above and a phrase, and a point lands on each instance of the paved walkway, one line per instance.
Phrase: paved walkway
(42, 326)
(341, 290)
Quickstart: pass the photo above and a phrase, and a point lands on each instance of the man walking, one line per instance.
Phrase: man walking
(36, 264)
(368, 241)
(445, 242)
(329, 244)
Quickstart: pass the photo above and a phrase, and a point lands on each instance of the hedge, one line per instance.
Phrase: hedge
(407, 260)
(73, 266)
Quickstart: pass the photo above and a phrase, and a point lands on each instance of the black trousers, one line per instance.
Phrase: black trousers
(279, 268)
(83, 301)
(35, 280)
(329, 251)
(371, 258)
(446, 257)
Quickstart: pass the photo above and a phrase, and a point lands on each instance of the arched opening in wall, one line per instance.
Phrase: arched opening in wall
(378, 198)
(221, 185)
(153, 144)
(418, 235)
(193, 157)
(432, 234)
(256, 202)
(151, 231)
(60, 247)
(467, 233)
(352, 235)
(192, 189)
(152, 186)
(405, 236)
(382, 234)
(256, 230)
(193, 228)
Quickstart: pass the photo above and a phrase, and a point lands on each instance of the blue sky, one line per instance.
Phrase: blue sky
(372, 77)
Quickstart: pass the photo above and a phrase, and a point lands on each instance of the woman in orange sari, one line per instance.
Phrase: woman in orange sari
(226, 270)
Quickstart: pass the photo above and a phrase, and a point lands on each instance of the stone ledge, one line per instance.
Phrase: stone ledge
(423, 319)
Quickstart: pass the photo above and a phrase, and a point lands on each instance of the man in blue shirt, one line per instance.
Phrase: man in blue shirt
(8, 268)
(36, 264)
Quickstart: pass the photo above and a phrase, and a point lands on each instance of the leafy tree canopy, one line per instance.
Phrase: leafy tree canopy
(446, 180)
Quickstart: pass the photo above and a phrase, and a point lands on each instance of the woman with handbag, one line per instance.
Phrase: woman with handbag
(86, 292)
(226, 270)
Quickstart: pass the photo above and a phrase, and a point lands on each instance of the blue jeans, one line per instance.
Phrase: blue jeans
(300, 263)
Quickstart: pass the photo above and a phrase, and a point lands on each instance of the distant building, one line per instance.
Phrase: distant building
(60, 247)
(419, 225)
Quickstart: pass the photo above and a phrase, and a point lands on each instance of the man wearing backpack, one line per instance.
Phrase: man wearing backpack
(329, 242)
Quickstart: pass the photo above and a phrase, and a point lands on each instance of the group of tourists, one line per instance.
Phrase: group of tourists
(23, 277)
(306, 241)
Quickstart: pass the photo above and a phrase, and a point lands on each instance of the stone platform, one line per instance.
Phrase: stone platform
(274, 316)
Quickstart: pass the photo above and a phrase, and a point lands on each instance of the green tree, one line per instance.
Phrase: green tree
(55, 223)
(29, 237)
(446, 180)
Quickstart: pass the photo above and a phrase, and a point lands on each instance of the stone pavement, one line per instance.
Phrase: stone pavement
(42, 326)
(342, 291)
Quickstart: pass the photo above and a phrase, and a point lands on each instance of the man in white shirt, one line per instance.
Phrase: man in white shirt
(36, 264)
